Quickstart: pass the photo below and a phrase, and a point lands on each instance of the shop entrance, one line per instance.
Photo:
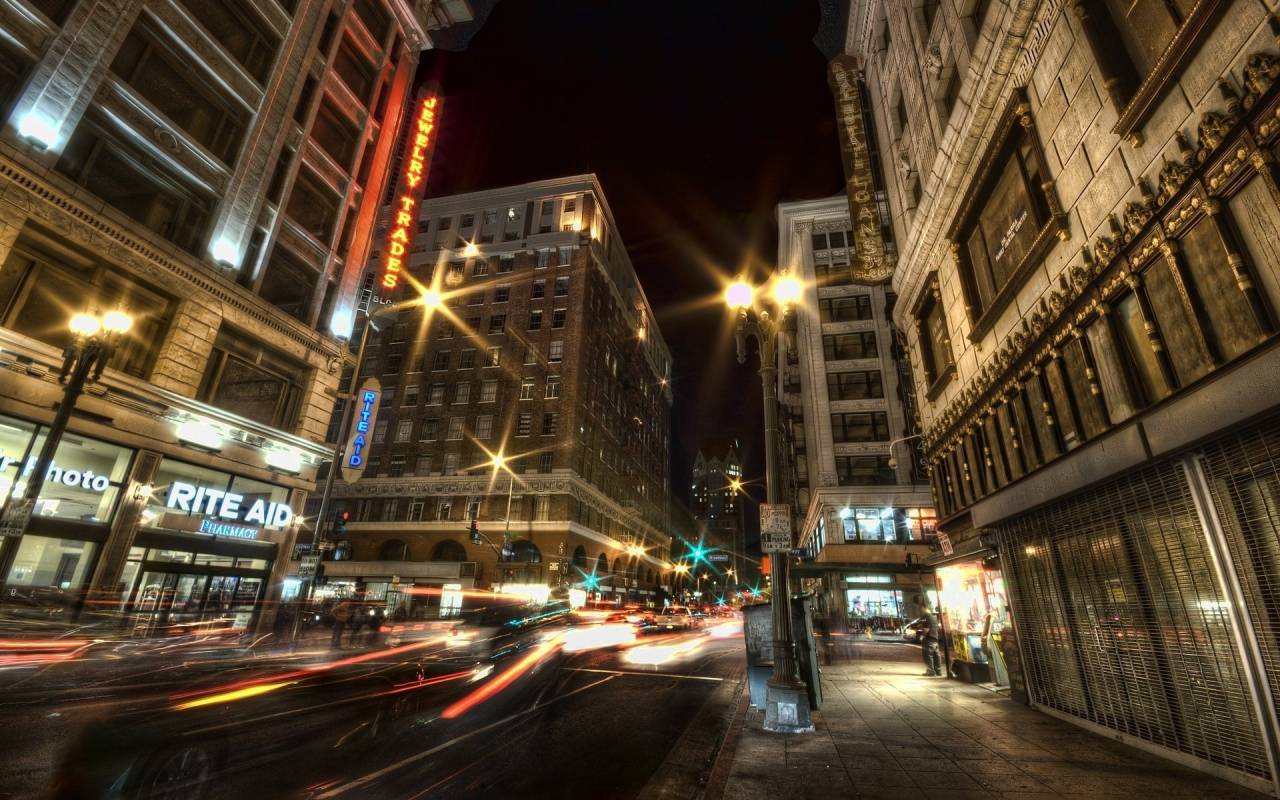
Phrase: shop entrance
(180, 603)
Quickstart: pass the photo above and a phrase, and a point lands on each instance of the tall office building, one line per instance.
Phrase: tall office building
(1085, 199)
(861, 497)
(213, 168)
(716, 499)
(546, 352)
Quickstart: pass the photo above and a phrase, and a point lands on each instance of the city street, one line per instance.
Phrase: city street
(614, 715)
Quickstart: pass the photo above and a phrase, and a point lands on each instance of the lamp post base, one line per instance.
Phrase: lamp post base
(787, 709)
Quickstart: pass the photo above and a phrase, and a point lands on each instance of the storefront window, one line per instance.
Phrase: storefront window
(83, 482)
(974, 604)
(889, 524)
(47, 569)
(199, 500)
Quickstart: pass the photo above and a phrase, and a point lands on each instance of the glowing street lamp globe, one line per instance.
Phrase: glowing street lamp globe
(786, 290)
(739, 294)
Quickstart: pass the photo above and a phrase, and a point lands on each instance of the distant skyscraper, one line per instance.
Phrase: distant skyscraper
(717, 507)
(546, 352)
(214, 169)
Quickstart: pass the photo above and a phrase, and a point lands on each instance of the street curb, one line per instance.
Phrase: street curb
(719, 778)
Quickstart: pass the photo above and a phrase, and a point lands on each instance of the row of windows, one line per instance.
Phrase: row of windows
(421, 509)
(429, 428)
(441, 360)
(424, 465)
(849, 346)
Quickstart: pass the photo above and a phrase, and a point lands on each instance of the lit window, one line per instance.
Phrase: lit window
(526, 388)
(549, 423)
(462, 393)
(403, 429)
(557, 352)
(562, 286)
(450, 465)
(566, 253)
(456, 426)
(494, 357)
(488, 391)
(553, 386)
(484, 426)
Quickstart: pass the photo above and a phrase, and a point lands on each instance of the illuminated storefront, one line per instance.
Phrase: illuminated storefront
(974, 609)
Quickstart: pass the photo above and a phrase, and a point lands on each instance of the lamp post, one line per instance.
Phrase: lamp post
(786, 701)
(82, 362)
(428, 299)
(893, 460)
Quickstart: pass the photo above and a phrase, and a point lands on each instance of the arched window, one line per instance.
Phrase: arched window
(393, 550)
(580, 559)
(650, 576)
(342, 551)
(617, 567)
(449, 550)
(602, 565)
(525, 552)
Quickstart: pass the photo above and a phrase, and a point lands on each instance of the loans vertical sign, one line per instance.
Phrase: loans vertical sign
(872, 263)
(420, 143)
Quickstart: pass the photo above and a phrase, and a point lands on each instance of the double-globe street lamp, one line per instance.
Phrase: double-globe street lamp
(83, 360)
(768, 320)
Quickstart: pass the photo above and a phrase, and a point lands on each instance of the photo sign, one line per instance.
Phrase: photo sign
(775, 528)
(871, 264)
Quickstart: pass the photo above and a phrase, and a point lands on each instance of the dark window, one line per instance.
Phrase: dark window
(238, 28)
(313, 207)
(288, 284)
(1147, 28)
(136, 184)
(538, 290)
(935, 351)
(545, 462)
(441, 360)
(929, 10)
(506, 264)
(175, 87)
(449, 550)
(836, 274)
(549, 423)
(374, 17)
(355, 73)
(819, 241)
(845, 346)
(854, 385)
(864, 471)
(55, 10)
(558, 317)
(252, 381)
(334, 135)
(466, 360)
(535, 320)
(44, 283)
(845, 309)
(393, 549)
(860, 427)
(13, 71)
(497, 324)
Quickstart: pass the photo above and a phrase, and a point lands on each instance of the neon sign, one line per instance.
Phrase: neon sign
(421, 141)
(367, 399)
(225, 505)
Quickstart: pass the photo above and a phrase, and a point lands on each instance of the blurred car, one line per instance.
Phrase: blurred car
(500, 628)
(676, 618)
(700, 619)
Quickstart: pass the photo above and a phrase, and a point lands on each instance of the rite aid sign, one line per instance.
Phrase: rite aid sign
(226, 508)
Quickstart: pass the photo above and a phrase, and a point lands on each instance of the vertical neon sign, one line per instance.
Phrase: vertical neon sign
(417, 161)
(368, 398)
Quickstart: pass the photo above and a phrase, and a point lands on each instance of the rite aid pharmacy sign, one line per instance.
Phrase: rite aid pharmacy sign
(224, 513)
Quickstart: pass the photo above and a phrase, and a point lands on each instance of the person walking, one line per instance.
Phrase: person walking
(341, 613)
(376, 618)
(929, 644)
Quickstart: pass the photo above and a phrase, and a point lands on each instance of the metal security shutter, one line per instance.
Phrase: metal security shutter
(1243, 471)
(1124, 623)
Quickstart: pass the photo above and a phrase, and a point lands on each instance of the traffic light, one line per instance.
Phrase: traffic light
(340, 523)
(475, 532)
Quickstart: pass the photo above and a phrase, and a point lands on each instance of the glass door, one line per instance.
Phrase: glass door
(167, 599)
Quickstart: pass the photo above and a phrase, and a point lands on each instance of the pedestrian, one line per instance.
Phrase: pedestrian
(341, 613)
(376, 618)
(929, 643)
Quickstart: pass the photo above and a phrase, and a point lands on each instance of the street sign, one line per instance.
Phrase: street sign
(944, 541)
(325, 545)
(718, 557)
(16, 516)
(554, 566)
(307, 569)
(775, 518)
(775, 542)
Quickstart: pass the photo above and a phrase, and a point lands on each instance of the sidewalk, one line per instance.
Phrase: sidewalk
(886, 732)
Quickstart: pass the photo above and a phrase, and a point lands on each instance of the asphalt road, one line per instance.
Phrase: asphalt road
(592, 724)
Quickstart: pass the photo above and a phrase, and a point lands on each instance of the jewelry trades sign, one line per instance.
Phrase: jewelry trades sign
(871, 264)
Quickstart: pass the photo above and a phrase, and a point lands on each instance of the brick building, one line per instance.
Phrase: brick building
(1087, 209)
(210, 168)
(546, 352)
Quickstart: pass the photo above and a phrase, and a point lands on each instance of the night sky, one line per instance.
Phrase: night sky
(698, 117)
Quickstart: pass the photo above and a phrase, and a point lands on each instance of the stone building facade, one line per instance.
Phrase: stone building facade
(1087, 208)
(545, 352)
(209, 168)
(857, 480)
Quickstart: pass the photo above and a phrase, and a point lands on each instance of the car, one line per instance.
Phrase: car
(499, 627)
(676, 618)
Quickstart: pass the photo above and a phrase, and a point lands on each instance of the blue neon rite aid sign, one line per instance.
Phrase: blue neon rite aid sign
(368, 398)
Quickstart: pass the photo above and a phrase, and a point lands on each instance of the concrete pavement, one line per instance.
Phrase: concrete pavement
(886, 732)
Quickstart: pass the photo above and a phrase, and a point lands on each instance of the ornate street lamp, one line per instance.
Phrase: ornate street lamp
(82, 362)
(786, 701)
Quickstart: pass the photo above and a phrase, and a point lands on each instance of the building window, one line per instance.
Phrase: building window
(849, 346)
(387, 514)
(516, 504)
(423, 467)
(566, 255)
(417, 507)
(558, 317)
(396, 468)
(819, 241)
(545, 461)
(393, 364)
(441, 361)
(488, 391)
(526, 388)
(542, 507)
(480, 268)
(484, 426)
(476, 298)
(456, 425)
(832, 274)
(562, 286)
(398, 333)
(371, 469)
(506, 264)
(535, 320)
(549, 423)
(473, 324)
(450, 464)
(493, 357)
(467, 358)
(370, 364)
(531, 353)
(462, 392)
(524, 424)
(410, 395)
(444, 506)
(436, 395)
(497, 324)
(538, 290)
(380, 431)
(864, 471)
(845, 309)
(502, 293)
(557, 352)
(553, 386)
(860, 427)
(467, 221)
(854, 385)
(543, 257)
(473, 507)
(445, 331)
(429, 429)
(403, 429)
